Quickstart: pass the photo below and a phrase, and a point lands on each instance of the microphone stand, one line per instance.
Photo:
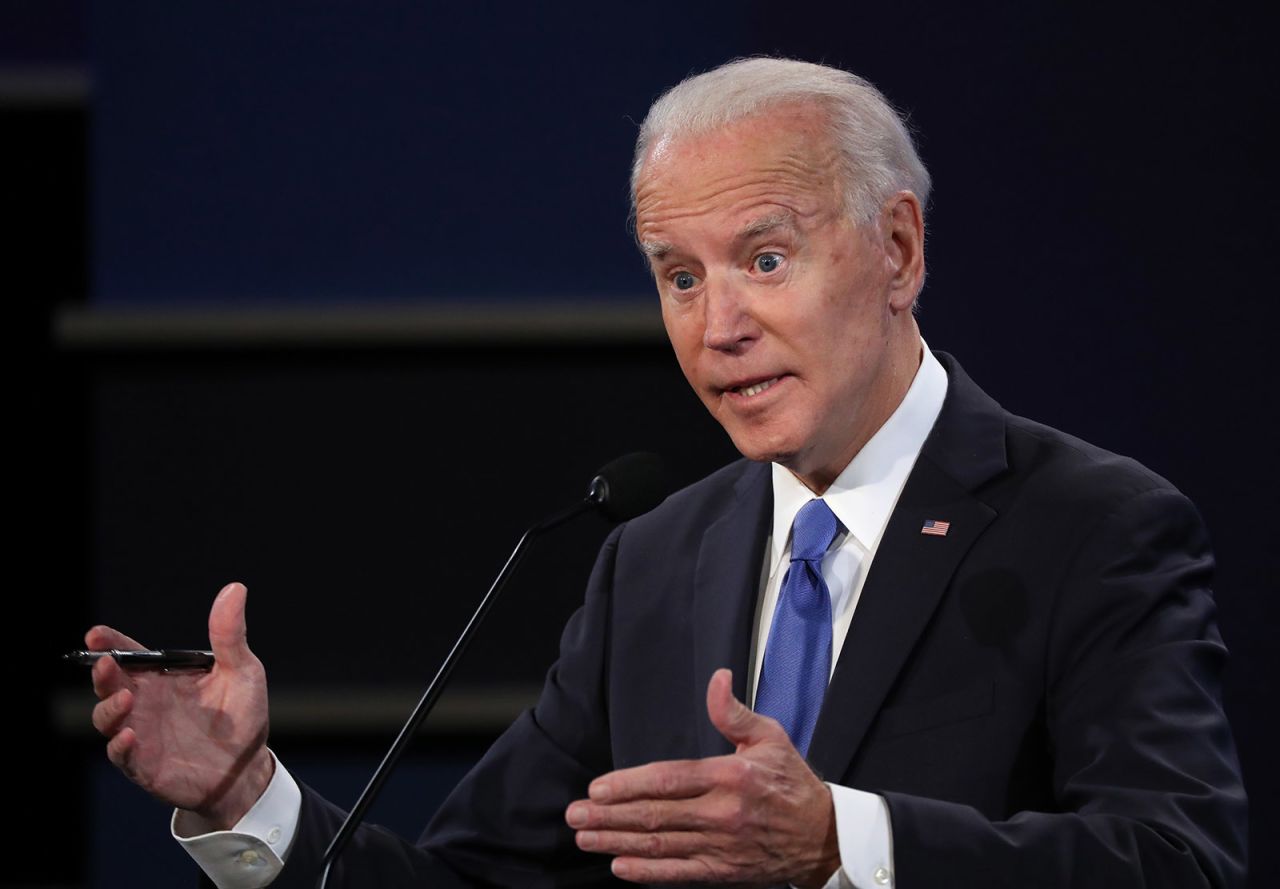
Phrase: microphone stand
(597, 496)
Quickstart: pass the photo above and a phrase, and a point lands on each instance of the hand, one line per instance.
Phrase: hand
(194, 739)
(759, 816)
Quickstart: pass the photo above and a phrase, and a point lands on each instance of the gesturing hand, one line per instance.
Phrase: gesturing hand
(758, 816)
(194, 739)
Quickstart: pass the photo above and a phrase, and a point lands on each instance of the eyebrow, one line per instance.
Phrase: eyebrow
(764, 225)
(656, 249)
(754, 228)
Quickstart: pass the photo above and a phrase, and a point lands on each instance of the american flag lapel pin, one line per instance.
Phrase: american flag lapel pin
(935, 528)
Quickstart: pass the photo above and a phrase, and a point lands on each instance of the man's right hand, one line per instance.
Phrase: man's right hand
(194, 739)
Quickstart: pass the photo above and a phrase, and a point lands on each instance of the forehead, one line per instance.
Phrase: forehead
(779, 160)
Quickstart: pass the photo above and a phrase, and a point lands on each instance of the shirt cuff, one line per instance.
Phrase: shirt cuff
(865, 838)
(251, 854)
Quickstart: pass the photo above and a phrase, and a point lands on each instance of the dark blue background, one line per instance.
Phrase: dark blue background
(1100, 249)
(377, 151)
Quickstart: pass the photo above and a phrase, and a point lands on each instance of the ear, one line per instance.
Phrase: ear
(903, 222)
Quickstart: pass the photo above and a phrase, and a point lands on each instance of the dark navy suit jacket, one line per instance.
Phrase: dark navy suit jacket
(1036, 694)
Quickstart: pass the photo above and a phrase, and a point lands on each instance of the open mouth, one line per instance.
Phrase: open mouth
(754, 389)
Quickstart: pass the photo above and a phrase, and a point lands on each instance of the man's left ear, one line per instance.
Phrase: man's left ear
(904, 248)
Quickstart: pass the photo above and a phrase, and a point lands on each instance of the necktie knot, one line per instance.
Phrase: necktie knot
(812, 531)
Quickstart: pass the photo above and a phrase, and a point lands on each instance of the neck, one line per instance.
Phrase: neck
(895, 378)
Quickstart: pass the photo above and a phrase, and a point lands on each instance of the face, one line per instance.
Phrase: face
(792, 323)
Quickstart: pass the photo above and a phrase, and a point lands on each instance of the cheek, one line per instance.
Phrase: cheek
(685, 335)
(687, 357)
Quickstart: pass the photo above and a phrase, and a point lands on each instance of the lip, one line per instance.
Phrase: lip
(755, 379)
(736, 390)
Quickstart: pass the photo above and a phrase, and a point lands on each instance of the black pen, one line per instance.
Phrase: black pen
(167, 659)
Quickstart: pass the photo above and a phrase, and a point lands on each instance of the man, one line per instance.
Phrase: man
(978, 651)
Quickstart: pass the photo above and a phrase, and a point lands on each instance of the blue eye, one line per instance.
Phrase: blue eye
(768, 262)
(684, 281)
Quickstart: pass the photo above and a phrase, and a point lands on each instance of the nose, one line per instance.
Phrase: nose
(728, 325)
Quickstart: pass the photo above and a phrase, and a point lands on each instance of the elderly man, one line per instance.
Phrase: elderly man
(977, 651)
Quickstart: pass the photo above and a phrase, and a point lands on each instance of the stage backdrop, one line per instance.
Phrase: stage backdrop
(359, 275)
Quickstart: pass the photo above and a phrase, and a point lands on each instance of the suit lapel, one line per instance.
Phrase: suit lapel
(726, 586)
(911, 570)
(907, 578)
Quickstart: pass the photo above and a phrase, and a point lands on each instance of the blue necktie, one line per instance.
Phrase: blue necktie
(797, 658)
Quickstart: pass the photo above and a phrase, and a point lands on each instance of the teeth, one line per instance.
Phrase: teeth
(749, 391)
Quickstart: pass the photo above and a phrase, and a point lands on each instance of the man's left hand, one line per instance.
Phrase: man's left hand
(758, 816)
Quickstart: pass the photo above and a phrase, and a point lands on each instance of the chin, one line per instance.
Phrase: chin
(754, 448)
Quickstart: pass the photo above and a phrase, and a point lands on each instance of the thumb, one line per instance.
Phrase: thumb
(733, 719)
(227, 628)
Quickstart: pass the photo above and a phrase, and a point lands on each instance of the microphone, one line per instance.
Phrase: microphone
(624, 488)
(629, 486)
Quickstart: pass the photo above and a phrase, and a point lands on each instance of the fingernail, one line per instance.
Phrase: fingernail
(601, 791)
(586, 839)
(577, 815)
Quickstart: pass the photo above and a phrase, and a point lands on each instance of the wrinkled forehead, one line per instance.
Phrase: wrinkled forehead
(781, 156)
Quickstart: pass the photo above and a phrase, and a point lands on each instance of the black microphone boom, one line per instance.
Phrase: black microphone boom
(623, 489)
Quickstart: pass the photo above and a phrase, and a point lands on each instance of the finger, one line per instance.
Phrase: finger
(102, 638)
(650, 815)
(120, 750)
(675, 779)
(668, 844)
(109, 677)
(111, 712)
(668, 870)
(733, 719)
(227, 627)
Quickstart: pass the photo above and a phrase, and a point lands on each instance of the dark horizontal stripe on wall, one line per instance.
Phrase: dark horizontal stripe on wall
(79, 328)
(43, 86)
(348, 712)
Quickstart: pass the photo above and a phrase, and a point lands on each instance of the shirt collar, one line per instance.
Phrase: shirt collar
(866, 491)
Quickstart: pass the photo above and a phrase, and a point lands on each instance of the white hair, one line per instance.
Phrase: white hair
(877, 154)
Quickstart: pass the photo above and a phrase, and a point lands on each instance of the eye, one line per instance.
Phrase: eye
(768, 262)
(684, 281)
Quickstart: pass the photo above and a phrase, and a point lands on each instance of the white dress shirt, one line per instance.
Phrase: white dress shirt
(863, 496)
